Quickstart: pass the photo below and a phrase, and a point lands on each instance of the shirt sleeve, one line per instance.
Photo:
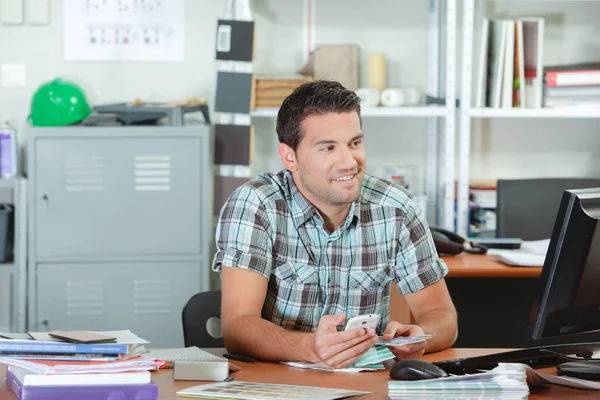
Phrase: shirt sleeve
(243, 235)
(417, 262)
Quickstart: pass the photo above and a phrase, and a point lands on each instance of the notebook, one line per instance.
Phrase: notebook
(28, 378)
(192, 363)
(188, 354)
(82, 337)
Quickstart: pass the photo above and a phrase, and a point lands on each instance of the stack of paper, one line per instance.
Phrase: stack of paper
(84, 367)
(531, 254)
(507, 381)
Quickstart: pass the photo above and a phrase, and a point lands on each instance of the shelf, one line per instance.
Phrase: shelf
(563, 112)
(422, 111)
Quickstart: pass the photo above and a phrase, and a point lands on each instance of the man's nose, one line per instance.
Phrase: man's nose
(347, 160)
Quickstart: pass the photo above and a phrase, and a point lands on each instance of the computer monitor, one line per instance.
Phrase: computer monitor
(569, 301)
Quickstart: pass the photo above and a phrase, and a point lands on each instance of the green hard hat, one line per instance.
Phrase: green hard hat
(57, 103)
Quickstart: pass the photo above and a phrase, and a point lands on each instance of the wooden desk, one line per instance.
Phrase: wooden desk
(484, 266)
(493, 301)
(375, 382)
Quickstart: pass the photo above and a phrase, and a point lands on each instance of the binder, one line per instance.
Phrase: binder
(148, 391)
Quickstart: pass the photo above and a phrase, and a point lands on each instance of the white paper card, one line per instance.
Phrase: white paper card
(125, 30)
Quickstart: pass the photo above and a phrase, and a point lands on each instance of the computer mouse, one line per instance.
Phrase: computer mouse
(416, 370)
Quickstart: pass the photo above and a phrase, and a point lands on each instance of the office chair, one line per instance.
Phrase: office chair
(201, 319)
(526, 208)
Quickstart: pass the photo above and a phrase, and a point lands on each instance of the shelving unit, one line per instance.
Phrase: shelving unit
(532, 113)
(467, 114)
(440, 170)
(423, 111)
(13, 274)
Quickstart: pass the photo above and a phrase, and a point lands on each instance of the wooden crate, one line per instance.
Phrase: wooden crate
(271, 91)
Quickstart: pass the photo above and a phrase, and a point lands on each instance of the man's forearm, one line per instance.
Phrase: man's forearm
(442, 325)
(256, 337)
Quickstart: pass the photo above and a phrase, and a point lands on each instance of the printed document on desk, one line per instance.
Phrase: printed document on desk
(507, 381)
(267, 391)
(531, 254)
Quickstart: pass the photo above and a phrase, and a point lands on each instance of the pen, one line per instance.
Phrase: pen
(240, 358)
(228, 379)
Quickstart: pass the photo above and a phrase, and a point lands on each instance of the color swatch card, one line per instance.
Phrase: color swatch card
(267, 391)
(372, 360)
(235, 40)
(234, 92)
(402, 340)
(375, 355)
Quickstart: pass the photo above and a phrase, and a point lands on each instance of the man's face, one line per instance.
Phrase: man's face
(328, 165)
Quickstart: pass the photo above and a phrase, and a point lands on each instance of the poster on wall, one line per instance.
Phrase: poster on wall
(124, 30)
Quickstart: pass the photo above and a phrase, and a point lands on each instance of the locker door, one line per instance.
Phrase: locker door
(146, 298)
(117, 196)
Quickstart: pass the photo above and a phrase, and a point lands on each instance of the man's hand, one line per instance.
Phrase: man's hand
(414, 350)
(340, 349)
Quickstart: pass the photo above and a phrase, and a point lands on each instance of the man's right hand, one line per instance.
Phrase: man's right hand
(341, 349)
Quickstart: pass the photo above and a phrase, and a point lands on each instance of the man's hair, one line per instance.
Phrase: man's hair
(313, 98)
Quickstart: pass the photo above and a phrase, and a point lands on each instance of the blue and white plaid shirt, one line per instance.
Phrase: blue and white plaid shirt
(269, 227)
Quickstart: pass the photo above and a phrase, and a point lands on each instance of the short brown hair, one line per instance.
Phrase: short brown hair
(312, 98)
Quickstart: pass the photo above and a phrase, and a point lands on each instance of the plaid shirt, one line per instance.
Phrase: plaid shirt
(269, 227)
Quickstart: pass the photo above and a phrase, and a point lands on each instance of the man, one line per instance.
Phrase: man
(302, 251)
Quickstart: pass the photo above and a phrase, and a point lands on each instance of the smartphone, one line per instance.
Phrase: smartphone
(363, 321)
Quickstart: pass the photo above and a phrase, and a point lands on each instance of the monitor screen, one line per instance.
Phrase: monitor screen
(569, 298)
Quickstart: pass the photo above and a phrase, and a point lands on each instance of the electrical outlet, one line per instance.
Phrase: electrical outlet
(14, 75)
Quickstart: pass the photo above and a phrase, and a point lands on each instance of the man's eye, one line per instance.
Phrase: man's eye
(356, 143)
(328, 148)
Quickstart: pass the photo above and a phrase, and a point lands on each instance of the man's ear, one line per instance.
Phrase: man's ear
(288, 157)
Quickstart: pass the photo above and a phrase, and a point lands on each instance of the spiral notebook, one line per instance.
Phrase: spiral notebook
(193, 363)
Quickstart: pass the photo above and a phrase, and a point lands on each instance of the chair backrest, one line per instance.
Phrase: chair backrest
(201, 319)
(527, 208)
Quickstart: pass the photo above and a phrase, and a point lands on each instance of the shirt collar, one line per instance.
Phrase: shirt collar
(303, 210)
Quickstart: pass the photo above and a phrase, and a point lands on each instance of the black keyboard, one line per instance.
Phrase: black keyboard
(535, 357)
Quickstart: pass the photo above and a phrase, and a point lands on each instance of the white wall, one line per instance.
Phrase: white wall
(509, 148)
(40, 49)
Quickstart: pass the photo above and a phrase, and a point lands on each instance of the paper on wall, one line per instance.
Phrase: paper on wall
(125, 30)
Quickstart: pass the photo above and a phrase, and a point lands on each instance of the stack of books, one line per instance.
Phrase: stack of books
(65, 367)
(511, 63)
(572, 85)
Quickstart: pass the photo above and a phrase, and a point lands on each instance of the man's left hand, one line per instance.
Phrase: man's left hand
(414, 350)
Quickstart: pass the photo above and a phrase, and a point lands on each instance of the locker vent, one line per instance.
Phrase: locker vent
(85, 298)
(84, 173)
(152, 173)
(152, 296)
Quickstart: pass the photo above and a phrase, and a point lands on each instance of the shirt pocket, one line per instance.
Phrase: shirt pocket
(293, 296)
(369, 293)
(370, 281)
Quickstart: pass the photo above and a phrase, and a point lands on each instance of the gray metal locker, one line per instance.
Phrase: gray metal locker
(121, 211)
